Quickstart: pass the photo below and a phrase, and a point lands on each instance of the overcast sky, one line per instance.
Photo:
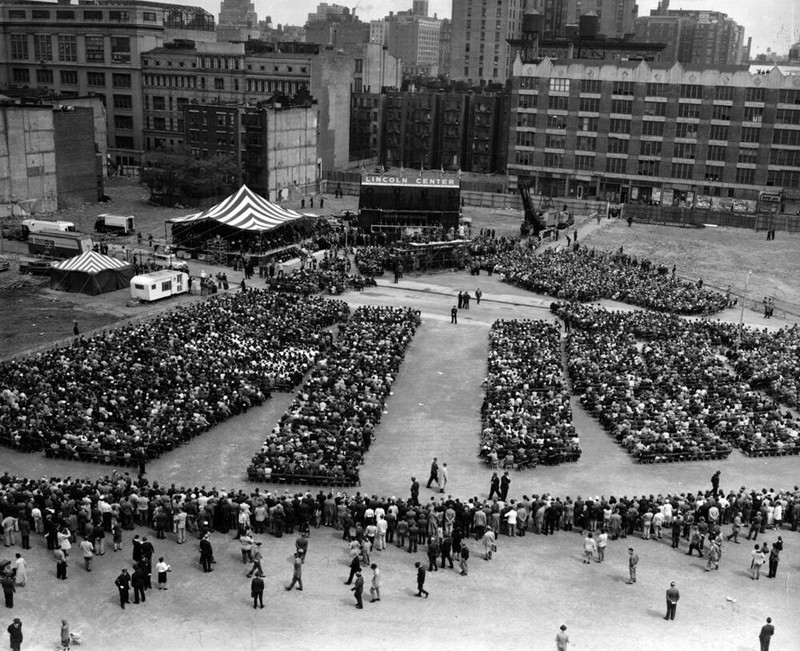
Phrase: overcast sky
(771, 23)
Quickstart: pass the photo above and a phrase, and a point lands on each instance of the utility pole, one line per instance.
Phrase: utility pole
(741, 312)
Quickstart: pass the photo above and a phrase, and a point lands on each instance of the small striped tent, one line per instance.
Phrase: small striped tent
(91, 273)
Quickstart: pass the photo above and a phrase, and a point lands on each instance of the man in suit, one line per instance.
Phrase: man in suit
(206, 553)
(672, 601)
(421, 579)
(123, 584)
(257, 590)
(414, 492)
(434, 476)
(505, 482)
(767, 631)
(358, 590)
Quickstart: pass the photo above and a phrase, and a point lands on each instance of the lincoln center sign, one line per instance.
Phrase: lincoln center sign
(379, 179)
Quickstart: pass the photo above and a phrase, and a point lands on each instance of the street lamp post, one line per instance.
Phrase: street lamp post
(741, 312)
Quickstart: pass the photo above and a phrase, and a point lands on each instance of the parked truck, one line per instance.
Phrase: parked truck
(119, 224)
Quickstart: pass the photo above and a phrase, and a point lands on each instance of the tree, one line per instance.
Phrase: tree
(174, 175)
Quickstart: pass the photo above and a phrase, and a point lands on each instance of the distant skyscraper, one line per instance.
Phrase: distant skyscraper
(420, 8)
(479, 45)
(615, 19)
(238, 21)
(706, 38)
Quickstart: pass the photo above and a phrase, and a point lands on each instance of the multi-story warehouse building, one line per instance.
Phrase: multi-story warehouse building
(245, 73)
(479, 46)
(653, 133)
(274, 143)
(68, 50)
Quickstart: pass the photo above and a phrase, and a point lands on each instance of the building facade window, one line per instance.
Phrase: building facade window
(554, 159)
(616, 165)
(745, 175)
(718, 132)
(618, 145)
(590, 86)
(589, 105)
(42, 47)
(584, 163)
(682, 170)
(95, 49)
(619, 125)
(715, 152)
(20, 75)
(692, 91)
(123, 101)
(686, 130)
(19, 47)
(586, 143)
(723, 93)
(120, 49)
(123, 122)
(559, 85)
(652, 128)
(96, 79)
(120, 80)
(69, 77)
(67, 48)
(44, 76)
(650, 148)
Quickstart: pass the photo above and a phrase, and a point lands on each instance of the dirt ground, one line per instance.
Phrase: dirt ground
(519, 599)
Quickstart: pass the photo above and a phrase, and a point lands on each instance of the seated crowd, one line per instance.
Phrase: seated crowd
(580, 274)
(527, 419)
(771, 362)
(660, 386)
(329, 281)
(372, 260)
(140, 389)
(330, 424)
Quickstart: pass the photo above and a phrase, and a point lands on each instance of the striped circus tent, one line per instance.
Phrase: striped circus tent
(91, 273)
(244, 210)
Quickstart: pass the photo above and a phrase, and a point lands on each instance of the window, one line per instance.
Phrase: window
(123, 122)
(721, 112)
(754, 95)
(93, 16)
(785, 157)
(40, 14)
(42, 47)
(723, 93)
(622, 88)
(552, 159)
(783, 178)
(219, 83)
(618, 125)
(745, 175)
(19, 47)
(650, 148)
(523, 157)
(555, 141)
(558, 102)
(616, 165)
(718, 132)
(655, 90)
(655, 109)
(786, 137)
(685, 130)
(688, 110)
(529, 83)
(95, 49)
(753, 114)
(715, 152)
(359, 65)
(96, 78)
(44, 76)
(652, 128)
(586, 143)
(590, 86)
(160, 124)
(750, 134)
(121, 80)
(589, 105)
(559, 85)
(556, 121)
(67, 48)
(525, 120)
(647, 168)
(623, 106)
(124, 142)
(149, 16)
(584, 163)
(684, 150)
(525, 138)
(713, 173)
(682, 170)
(788, 116)
(65, 15)
(789, 97)
(118, 16)
(69, 77)
(16, 13)
(617, 146)
(20, 76)
(692, 91)
(588, 124)
(159, 103)
(120, 49)
(749, 156)
(123, 101)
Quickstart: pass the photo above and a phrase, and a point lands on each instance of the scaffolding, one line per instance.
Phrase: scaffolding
(217, 251)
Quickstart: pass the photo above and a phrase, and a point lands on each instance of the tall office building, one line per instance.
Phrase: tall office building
(420, 8)
(238, 21)
(479, 46)
(95, 49)
(707, 38)
(338, 28)
(615, 18)
(415, 41)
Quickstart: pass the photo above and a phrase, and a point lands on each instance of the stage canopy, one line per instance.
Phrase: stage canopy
(91, 273)
(244, 210)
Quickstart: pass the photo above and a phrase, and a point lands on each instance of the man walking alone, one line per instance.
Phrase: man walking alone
(672, 601)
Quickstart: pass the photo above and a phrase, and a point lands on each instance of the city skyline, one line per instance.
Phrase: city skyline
(758, 19)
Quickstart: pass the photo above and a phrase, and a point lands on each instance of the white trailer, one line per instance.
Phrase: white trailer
(159, 284)
(108, 223)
